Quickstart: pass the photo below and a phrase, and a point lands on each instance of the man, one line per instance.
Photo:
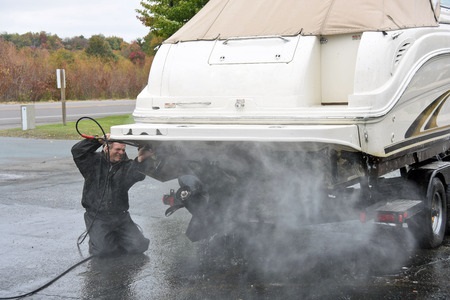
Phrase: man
(108, 175)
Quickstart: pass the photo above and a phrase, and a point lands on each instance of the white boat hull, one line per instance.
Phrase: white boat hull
(380, 96)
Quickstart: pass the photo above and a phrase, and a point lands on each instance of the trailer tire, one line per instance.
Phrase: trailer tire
(429, 226)
(447, 231)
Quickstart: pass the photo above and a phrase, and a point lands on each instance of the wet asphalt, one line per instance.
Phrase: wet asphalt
(41, 219)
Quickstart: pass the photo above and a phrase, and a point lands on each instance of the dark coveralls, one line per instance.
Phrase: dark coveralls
(105, 198)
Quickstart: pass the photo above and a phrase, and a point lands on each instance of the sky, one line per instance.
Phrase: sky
(70, 18)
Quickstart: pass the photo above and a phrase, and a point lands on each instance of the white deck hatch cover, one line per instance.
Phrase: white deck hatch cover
(270, 49)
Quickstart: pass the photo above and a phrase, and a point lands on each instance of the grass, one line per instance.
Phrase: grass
(69, 132)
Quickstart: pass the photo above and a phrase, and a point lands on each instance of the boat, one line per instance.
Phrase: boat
(286, 100)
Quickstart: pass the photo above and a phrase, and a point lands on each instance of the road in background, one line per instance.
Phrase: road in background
(51, 112)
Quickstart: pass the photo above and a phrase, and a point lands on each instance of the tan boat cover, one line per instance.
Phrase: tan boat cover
(222, 19)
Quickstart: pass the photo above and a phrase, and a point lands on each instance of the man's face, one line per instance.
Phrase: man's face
(116, 152)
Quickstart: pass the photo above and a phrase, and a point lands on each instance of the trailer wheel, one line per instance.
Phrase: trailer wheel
(430, 225)
(447, 231)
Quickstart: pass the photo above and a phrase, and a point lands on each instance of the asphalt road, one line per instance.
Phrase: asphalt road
(41, 219)
(51, 112)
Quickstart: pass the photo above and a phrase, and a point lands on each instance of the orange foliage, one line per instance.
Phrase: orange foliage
(29, 74)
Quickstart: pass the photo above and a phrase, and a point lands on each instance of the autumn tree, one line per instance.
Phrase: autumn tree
(164, 17)
(49, 41)
(134, 53)
(7, 57)
(25, 73)
(97, 68)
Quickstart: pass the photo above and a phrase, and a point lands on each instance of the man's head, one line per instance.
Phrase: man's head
(116, 151)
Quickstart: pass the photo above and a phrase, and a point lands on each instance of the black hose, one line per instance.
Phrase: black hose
(50, 282)
(83, 235)
(89, 136)
(104, 134)
(78, 241)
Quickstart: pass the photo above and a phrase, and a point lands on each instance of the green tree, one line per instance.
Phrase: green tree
(150, 43)
(115, 42)
(75, 43)
(99, 47)
(20, 40)
(35, 40)
(164, 17)
(61, 58)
